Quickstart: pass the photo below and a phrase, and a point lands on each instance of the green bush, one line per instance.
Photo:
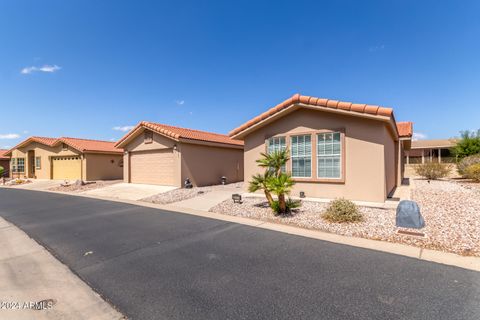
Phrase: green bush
(290, 204)
(342, 210)
(473, 172)
(1, 171)
(468, 145)
(467, 162)
(432, 170)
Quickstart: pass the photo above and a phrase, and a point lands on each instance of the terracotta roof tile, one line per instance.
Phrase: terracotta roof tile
(405, 129)
(82, 145)
(2, 154)
(321, 102)
(177, 133)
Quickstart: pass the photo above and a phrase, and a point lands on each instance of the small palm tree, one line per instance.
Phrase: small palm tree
(259, 182)
(281, 186)
(274, 161)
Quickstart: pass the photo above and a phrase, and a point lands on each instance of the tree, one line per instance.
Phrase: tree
(259, 182)
(281, 186)
(468, 145)
(274, 161)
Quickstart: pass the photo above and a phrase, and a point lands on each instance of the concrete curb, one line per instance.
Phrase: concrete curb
(465, 262)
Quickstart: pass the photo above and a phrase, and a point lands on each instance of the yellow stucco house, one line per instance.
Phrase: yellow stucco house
(66, 158)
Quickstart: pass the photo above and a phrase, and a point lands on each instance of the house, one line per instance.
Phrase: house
(4, 162)
(430, 151)
(66, 158)
(337, 149)
(166, 155)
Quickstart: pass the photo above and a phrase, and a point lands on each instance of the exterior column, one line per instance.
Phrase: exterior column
(439, 155)
(431, 155)
(423, 156)
(408, 157)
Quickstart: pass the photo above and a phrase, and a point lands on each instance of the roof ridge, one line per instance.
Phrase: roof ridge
(86, 139)
(182, 128)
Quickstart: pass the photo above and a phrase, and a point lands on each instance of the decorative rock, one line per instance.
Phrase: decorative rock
(408, 215)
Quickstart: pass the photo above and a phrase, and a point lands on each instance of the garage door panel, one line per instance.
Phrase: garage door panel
(153, 167)
(67, 168)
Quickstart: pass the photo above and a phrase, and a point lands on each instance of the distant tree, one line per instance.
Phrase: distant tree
(468, 145)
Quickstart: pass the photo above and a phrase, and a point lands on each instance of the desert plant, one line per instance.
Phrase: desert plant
(432, 170)
(467, 162)
(281, 186)
(259, 182)
(473, 172)
(467, 145)
(274, 161)
(289, 203)
(342, 210)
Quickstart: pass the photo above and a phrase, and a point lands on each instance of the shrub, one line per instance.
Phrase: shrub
(467, 162)
(473, 172)
(432, 170)
(468, 145)
(342, 210)
(1, 171)
(290, 205)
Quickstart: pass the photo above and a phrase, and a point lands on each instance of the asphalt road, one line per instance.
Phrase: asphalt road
(153, 264)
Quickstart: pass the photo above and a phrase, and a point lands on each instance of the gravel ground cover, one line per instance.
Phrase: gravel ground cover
(183, 194)
(89, 186)
(451, 212)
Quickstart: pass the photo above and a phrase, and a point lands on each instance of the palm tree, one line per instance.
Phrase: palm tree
(274, 161)
(281, 186)
(259, 182)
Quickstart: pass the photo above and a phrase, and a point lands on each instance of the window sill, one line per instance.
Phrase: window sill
(317, 180)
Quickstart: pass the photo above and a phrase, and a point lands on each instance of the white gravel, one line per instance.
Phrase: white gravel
(183, 194)
(451, 213)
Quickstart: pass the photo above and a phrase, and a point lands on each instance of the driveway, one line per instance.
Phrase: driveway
(129, 191)
(155, 264)
(39, 184)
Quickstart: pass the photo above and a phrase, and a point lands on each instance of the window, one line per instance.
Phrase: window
(301, 149)
(277, 144)
(148, 137)
(329, 153)
(38, 162)
(18, 165)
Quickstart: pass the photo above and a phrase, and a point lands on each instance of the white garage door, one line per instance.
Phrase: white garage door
(152, 167)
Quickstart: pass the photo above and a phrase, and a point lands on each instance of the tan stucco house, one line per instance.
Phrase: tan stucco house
(166, 155)
(66, 159)
(337, 149)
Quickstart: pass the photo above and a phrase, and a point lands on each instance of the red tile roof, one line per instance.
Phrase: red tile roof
(2, 154)
(82, 145)
(405, 129)
(320, 102)
(178, 133)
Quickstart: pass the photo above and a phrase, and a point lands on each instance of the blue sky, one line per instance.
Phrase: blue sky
(83, 68)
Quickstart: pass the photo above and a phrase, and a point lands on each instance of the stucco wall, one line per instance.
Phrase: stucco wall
(45, 152)
(364, 153)
(205, 165)
(103, 166)
(391, 161)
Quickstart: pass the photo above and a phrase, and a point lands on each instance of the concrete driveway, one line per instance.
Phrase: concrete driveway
(156, 264)
(128, 191)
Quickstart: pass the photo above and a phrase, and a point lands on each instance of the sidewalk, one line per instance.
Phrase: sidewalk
(29, 274)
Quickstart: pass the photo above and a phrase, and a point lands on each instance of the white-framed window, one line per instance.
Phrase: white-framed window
(38, 162)
(18, 165)
(301, 155)
(329, 155)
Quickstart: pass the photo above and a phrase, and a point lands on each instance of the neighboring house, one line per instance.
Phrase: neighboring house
(165, 155)
(66, 158)
(337, 149)
(430, 151)
(4, 162)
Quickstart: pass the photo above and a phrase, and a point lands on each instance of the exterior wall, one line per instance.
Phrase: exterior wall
(45, 152)
(391, 161)
(159, 143)
(364, 152)
(103, 166)
(205, 165)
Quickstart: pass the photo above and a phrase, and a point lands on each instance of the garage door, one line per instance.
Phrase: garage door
(152, 167)
(67, 168)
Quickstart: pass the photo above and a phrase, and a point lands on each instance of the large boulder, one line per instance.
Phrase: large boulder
(408, 215)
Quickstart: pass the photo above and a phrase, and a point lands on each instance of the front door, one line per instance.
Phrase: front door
(31, 164)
